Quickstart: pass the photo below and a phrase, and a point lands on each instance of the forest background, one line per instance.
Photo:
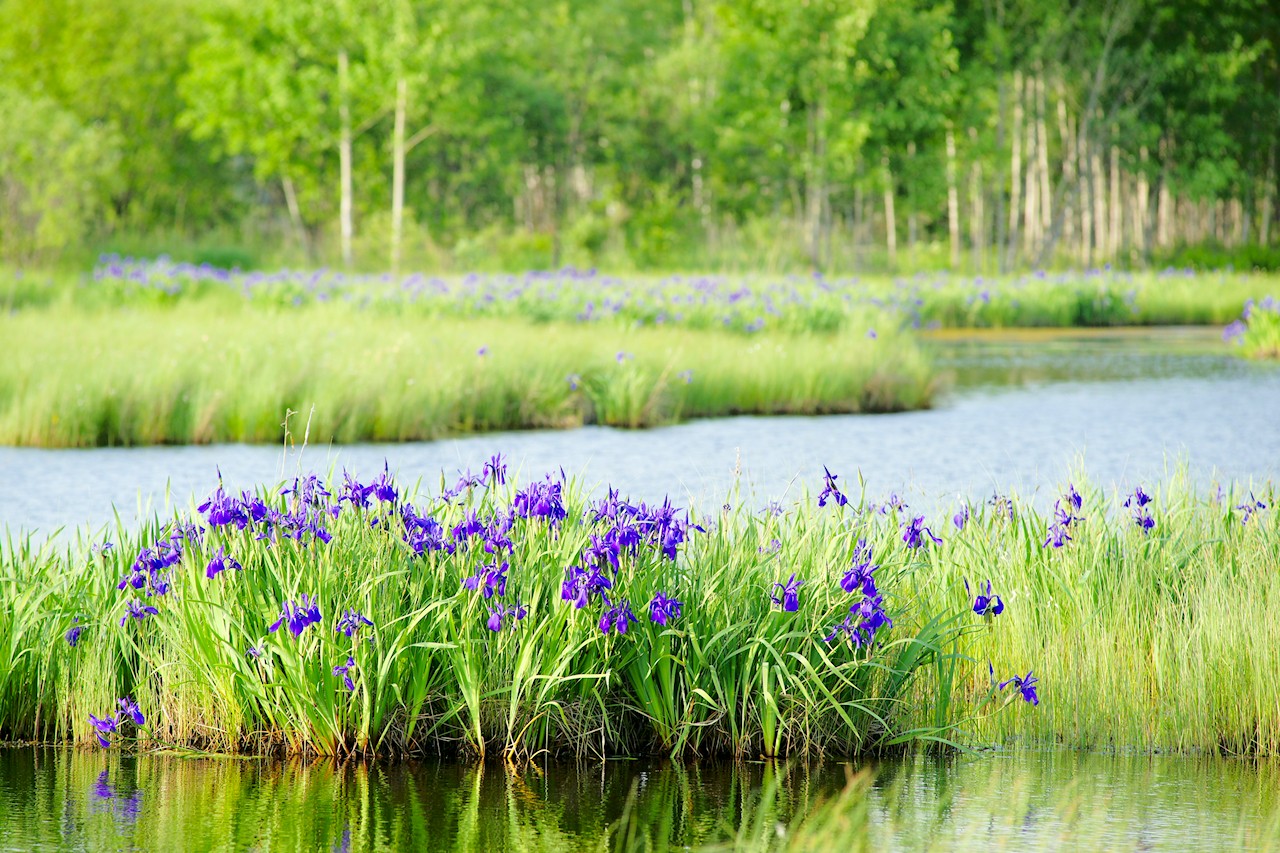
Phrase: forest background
(833, 135)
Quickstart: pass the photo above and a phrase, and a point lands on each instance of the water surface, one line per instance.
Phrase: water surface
(89, 800)
(1029, 410)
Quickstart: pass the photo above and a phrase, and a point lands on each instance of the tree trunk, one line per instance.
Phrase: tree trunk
(344, 160)
(1113, 247)
(1042, 155)
(953, 200)
(998, 244)
(295, 214)
(1015, 171)
(397, 174)
(1163, 201)
(1268, 200)
(890, 225)
(976, 236)
(1099, 204)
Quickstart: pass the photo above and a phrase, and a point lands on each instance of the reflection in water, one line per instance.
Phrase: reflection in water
(1015, 800)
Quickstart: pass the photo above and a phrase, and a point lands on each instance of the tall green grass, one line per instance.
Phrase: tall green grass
(198, 373)
(1163, 640)
(734, 675)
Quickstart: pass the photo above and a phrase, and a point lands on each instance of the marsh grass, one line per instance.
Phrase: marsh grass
(1160, 641)
(197, 374)
(733, 676)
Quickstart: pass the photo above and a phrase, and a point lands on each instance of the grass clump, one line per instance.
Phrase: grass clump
(199, 372)
(534, 622)
(486, 621)
(1257, 331)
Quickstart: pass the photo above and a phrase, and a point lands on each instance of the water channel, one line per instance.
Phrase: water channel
(1025, 412)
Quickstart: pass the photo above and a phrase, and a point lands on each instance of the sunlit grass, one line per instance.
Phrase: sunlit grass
(200, 373)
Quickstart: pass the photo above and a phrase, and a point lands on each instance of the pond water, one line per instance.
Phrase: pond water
(90, 800)
(1027, 411)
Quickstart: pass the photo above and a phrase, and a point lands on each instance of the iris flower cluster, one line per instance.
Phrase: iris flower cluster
(868, 615)
(298, 616)
(1063, 517)
(109, 725)
(491, 579)
(1137, 504)
(580, 585)
(351, 623)
(1250, 508)
(500, 617)
(663, 609)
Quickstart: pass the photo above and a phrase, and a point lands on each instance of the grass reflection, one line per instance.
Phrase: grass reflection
(77, 800)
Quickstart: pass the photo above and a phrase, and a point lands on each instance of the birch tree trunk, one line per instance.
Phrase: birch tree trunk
(295, 214)
(397, 174)
(953, 200)
(1268, 200)
(890, 224)
(1116, 210)
(344, 160)
(977, 237)
(1015, 171)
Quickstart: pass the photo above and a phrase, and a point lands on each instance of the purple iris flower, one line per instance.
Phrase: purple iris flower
(618, 617)
(1026, 684)
(961, 518)
(864, 619)
(663, 609)
(129, 708)
(495, 470)
(830, 489)
(580, 584)
(573, 379)
(353, 492)
(506, 616)
(298, 616)
(492, 576)
(914, 533)
(104, 727)
(1137, 503)
(1073, 497)
(135, 609)
(221, 562)
(541, 500)
(345, 671)
(73, 633)
(483, 351)
(253, 653)
(985, 604)
(1063, 518)
(1249, 507)
(383, 490)
(351, 623)
(309, 490)
(859, 574)
(790, 599)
